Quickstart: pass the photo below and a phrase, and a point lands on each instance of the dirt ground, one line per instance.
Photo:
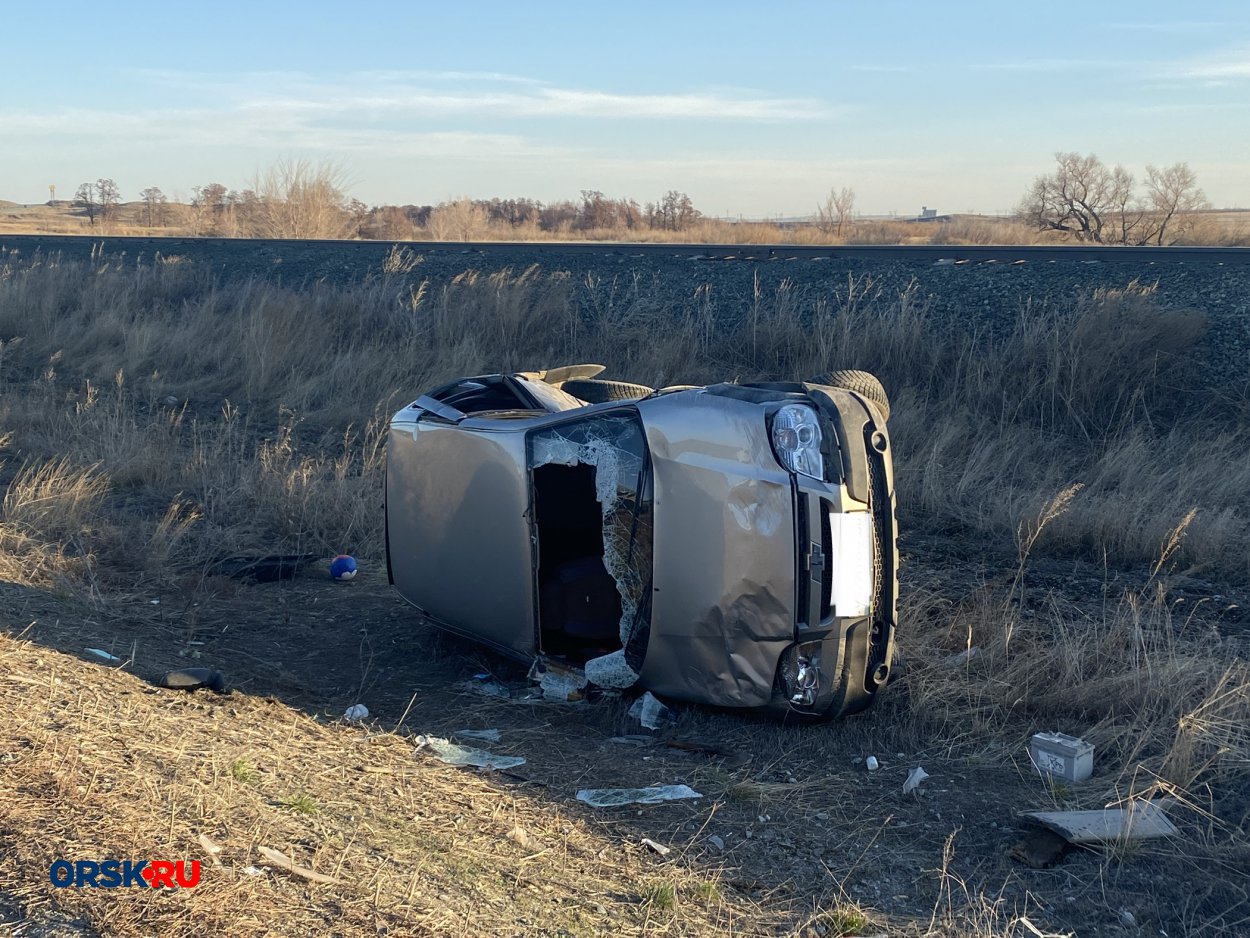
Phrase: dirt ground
(790, 816)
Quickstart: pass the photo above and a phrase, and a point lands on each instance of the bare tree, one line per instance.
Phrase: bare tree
(835, 214)
(674, 212)
(1094, 202)
(1124, 211)
(1172, 193)
(84, 198)
(209, 209)
(459, 220)
(109, 197)
(297, 199)
(155, 207)
(1073, 199)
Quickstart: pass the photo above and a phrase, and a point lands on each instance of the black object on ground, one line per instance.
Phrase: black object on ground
(193, 679)
(263, 568)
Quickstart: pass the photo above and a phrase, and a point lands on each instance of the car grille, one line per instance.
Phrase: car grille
(826, 579)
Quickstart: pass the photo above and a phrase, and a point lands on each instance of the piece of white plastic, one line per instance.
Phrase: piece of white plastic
(914, 778)
(452, 754)
(355, 713)
(614, 797)
(872, 763)
(649, 711)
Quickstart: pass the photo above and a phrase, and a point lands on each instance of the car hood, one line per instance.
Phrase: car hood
(722, 608)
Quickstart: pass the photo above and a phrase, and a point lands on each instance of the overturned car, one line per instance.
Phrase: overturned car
(731, 545)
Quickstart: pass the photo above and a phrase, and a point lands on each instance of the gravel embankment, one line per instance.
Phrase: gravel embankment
(983, 296)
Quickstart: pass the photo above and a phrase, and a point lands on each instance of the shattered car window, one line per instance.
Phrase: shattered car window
(595, 516)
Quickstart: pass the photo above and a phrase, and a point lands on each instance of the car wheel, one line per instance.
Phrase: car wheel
(596, 391)
(861, 382)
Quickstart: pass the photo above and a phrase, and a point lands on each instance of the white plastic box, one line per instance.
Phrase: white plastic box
(1062, 756)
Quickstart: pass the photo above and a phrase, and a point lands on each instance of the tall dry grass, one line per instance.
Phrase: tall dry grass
(248, 398)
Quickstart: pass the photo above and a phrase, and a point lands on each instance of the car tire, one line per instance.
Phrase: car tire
(861, 382)
(596, 391)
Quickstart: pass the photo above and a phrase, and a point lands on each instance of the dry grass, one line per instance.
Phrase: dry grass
(418, 847)
(280, 395)
(154, 418)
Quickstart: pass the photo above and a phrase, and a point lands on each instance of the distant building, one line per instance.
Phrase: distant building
(926, 212)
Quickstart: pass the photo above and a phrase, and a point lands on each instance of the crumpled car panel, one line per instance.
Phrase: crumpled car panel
(724, 590)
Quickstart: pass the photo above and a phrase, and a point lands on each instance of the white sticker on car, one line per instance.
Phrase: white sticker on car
(850, 562)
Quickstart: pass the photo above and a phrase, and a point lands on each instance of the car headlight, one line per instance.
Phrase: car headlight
(796, 440)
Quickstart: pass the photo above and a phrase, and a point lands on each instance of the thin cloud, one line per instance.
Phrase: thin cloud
(1048, 65)
(548, 102)
(1231, 65)
(416, 93)
(1170, 27)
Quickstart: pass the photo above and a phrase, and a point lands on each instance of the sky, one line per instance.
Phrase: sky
(755, 109)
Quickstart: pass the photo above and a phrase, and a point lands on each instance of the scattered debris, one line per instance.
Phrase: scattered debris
(1127, 918)
(489, 736)
(252, 870)
(649, 711)
(559, 682)
(194, 679)
(1141, 820)
(657, 847)
(1038, 933)
(101, 653)
(717, 843)
(355, 713)
(261, 568)
(872, 763)
(611, 670)
(1062, 756)
(452, 754)
(614, 797)
(914, 778)
(282, 862)
(211, 848)
(487, 686)
(1040, 849)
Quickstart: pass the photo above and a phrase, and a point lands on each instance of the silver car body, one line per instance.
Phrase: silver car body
(757, 577)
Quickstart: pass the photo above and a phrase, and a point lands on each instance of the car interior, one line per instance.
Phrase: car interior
(579, 604)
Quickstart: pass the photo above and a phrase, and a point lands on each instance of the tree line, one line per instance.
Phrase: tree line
(297, 199)
(1082, 199)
